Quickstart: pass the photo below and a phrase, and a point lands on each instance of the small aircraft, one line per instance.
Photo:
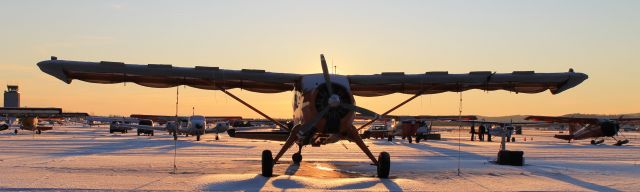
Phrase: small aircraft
(323, 104)
(407, 126)
(496, 128)
(28, 118)
(194, 125)
(595, 129)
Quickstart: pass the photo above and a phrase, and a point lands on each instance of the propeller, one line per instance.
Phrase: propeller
(333, 102)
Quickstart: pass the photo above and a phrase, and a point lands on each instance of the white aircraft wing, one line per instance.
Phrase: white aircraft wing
(214, 78)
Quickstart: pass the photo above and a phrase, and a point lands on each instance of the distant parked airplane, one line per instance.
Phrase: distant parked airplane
(588, 128)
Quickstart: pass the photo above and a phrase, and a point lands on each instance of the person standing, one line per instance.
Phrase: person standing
(473, 132)
(481, 133)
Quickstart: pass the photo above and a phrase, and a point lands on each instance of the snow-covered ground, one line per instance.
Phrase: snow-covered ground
(91, 158)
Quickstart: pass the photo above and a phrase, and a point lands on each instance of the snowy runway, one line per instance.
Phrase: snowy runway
(91, 158)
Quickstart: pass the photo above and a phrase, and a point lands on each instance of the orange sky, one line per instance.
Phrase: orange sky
(599, 38)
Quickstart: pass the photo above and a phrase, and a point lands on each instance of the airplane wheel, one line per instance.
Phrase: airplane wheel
(390, 138)
(418, 139)
(197, 137)
(38, 132)
(593, 142)
(217, 138)
(297, 158)
(410, 139)
(138, 133)
(384, 165)
(267, 163)
(15, 131)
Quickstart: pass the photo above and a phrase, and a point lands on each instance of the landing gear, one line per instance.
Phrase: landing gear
(15, 131)
(621, 142)
(38, 132)
(596, 142)
(267, 163)
(384, 165)
(410, 139)
(297, 158)
(198, 137)
(390, 138)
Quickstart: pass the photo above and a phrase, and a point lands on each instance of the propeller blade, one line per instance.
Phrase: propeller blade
(360, 110)
(308, 125)
(325, 72)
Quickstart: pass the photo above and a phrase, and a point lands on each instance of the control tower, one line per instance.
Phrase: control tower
(12, 96)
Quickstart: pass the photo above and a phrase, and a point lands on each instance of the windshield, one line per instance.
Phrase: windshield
(196, 118)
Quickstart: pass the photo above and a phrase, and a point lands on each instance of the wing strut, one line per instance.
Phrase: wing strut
(391, 110)
(253, 108)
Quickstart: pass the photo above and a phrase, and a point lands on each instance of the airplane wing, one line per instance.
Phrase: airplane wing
(147, 127)
(214, 78)
(438, 82)
(628, 119)
(430, 117)
(580, 120)
(163, 76)
(270, 136)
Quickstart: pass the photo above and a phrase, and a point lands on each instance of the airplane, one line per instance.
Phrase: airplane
(323, 104)
(496, 128)
(194, 125)
(407, 126)
(28, 118)
(99, 120)
(588, 128)
(163, 119)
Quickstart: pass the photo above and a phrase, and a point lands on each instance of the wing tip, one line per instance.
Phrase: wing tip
(54, 68)
(575, 79)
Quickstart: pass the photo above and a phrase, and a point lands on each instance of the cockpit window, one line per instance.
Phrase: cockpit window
(196, 118)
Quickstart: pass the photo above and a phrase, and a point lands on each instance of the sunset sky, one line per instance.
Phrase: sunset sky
(599, 38)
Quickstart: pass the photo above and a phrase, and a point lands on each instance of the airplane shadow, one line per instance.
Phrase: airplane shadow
(253, 184)
(447, 152)
(95, 147)
(292, 183)
(568, 179)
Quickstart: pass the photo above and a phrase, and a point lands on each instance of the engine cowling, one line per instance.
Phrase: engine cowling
(335, 114)
(610, 128)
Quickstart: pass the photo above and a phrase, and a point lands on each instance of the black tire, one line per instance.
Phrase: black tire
(267, 163)
(418, 139)
(384, 165)
(138, 132)
(38, 132)
(593, 142)
(15, 131)
(197, 137)
(390, 138)
(217, 137)
(297, 158)
(410, 139)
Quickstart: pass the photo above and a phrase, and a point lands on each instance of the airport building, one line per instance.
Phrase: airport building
(12, 96)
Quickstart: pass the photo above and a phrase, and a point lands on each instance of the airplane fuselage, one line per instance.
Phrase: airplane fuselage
(589, 131)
